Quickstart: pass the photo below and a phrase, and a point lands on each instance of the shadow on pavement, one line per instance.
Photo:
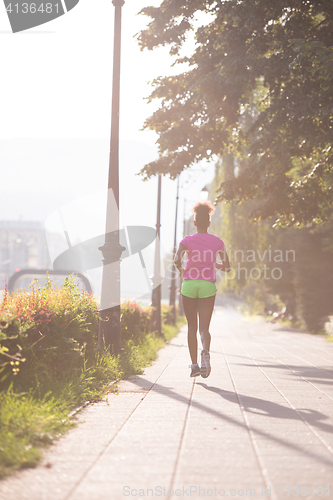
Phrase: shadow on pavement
(269, 409)
(141, 382)
(309, 373)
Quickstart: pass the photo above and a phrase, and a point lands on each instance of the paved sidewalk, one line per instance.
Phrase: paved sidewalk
(260, 425)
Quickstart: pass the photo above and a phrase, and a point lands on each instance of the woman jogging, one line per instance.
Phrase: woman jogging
(199, 288)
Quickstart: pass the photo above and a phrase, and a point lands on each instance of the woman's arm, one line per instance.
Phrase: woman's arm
(225, 266)
(178, 259)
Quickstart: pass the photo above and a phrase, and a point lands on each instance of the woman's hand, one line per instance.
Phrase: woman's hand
(225, 265)
(180, 270)
(178, 259)
(222, 267)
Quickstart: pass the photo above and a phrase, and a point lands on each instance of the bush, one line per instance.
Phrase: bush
(48, 337)
(135, 322)
(45, 334)
(167, 314)
(48, 349)
(258, 301)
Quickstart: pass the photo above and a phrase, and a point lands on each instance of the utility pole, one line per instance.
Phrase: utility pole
(109, 323)
(156, 293)
(180, 302)
(173, 284)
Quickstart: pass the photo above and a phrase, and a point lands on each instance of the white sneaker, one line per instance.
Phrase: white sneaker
(195, 370)
(205, 363)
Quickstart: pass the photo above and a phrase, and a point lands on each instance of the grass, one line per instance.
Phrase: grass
(31, 421)
(26, 426)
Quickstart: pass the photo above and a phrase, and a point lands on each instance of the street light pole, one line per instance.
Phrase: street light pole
(156, 294)
(114, 143)
(180, 302)
(109, 324)
(174, 276)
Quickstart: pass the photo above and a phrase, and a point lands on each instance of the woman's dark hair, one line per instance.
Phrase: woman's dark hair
(202, 211)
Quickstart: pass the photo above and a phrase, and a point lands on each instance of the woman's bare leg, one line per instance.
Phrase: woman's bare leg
(191, 313)
(205, 309)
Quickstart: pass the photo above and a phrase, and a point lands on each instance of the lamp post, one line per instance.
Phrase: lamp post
(156, 293)
(172, 301)
(109, 324)
(180, 302)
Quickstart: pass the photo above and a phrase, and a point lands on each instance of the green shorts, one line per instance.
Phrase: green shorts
(198, 288)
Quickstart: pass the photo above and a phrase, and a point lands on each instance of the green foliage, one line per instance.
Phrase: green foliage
(138, 356)
(255, 251)
(168, 314)
(304, 257)
(29, 422)
(135, 322)
(258, 301)
(54, 330)
(25, 426)
(313, 276)
(48, 349)
(259, 86)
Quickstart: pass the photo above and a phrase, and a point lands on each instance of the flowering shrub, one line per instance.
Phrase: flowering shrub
(48, 336)
(45, 333)
(135, 322)
(167, 314)
(50, 364)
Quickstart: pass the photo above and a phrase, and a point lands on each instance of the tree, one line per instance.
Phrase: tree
(272, 59)
(273, 267)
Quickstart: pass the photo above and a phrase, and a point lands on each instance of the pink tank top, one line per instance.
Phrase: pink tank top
(202, 249)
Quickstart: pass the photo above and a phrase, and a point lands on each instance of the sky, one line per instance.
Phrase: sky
(55, 101)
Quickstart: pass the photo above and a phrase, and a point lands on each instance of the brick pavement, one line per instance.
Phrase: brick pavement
(260, 425)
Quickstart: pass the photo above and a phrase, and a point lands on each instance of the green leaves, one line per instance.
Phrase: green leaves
(258, 85)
